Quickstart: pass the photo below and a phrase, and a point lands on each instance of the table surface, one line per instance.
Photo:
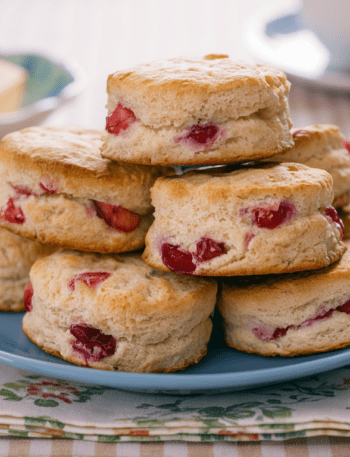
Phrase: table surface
(107, 35)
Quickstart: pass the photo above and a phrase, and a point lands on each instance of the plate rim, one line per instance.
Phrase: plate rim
(178, 381)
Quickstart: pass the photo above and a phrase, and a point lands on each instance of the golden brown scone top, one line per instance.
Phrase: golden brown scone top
(205, 75)
(132, 285)
(72, 155)
(272, 179)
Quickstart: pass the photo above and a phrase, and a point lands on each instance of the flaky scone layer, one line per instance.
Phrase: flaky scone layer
(17, 255)
(288, 315)
(197, 111)
(57, 189)
(262, 219)
(159, 321)
(322, 146)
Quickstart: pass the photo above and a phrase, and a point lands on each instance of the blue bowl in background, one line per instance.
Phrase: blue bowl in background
(51, 85)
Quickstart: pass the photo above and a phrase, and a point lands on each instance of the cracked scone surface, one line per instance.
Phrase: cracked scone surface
(323, 146)
(17, 255)
(261, 219)
(114, 312)
(197, 111)
(288, 315)
(57, 189)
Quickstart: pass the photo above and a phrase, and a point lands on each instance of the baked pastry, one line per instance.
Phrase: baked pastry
(113, 312)
(197, 111)
(270, 218)
(288, 315)
(323, 146)
(57, 189)
(17, 255)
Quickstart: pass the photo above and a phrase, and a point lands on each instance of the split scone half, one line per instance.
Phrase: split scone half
(114, 312)
(57, 189)
(288, 315)
(186, 111)
(17, 255)
(224, 221)
(323, 146)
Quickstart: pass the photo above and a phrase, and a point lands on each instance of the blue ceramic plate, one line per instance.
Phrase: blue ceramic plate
(222, 370)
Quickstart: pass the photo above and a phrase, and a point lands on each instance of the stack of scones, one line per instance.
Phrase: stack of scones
(197, 181)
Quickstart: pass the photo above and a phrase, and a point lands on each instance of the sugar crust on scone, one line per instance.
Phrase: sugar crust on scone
(288, 315)
(322, 146)
(53, 178)
(242, 108)
(160, 321)
(223, 212)
(17, 255)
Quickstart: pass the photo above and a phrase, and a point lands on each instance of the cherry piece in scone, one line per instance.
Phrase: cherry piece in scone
(27, 297)
(300, 132)
(346, 144)
(13, 213)
(91, 343)
(207, 249)
(270, 218)
(200, 135)
(248, 238)
(49, 187)
(22, 190)
(331, 212)
(117, 217)
(91, 278)
(345, 308)
(120, 119)
(176, 259)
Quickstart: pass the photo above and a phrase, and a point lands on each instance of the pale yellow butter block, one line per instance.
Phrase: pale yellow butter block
(13, 80)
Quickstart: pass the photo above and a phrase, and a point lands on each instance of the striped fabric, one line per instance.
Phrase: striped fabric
(304, 447)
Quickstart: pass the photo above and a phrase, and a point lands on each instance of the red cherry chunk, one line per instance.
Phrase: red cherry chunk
(22, 190)
(177, 260)
(346, 144)
(13, 213)
(279, 332)
(120, 119)
(270, 218)
(48, 187)
(200, 134)
(331, 212)
(300, 132)
(117, 217)
(91, 343)
(345, 308)
(207, 249)
(91, 278)
(27, 298)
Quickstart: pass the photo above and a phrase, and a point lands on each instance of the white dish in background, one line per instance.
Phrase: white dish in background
(57, 83)
(276, 36)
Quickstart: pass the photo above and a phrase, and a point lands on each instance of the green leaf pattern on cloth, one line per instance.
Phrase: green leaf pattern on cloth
(36, 406)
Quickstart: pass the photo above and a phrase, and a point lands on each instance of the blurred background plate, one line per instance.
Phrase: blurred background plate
(51, 85)
(276, 35)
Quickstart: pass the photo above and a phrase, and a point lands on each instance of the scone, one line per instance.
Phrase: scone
(57, 189)
(288, 315)
(323, 146)
(197, 111)
(224, 221)
(17, 255)
(113, 312)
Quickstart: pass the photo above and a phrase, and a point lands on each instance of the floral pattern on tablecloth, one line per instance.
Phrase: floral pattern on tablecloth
(37, 406)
